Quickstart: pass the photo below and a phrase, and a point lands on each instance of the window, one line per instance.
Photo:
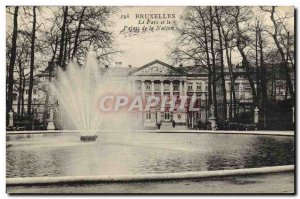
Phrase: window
(148, 115)
(167, 115)
(148, 86)
(190, 86)
(175, 87)
(199, 86)
(157, 86)
(166, 87)
(198, 101)
(138, 86)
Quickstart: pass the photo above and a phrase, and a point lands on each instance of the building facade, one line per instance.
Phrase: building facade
(167, 83)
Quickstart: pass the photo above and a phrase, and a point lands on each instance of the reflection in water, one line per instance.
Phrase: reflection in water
(270, 151)
(135, 153)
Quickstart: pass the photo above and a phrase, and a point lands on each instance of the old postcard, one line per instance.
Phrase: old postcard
(129, 99)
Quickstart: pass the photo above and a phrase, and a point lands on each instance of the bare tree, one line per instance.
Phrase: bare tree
(214, 89)
(222, 74)
(12, 61)
(241, 43)
(32, 53)
(278, 25)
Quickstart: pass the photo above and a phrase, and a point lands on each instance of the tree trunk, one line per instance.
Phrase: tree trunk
(222, 66)
(213, 64)
(246, 63)
(31, 62)
(22, 101)
(283, 60)
(65, 48)
(232, 91)
(263, 79)
(258, 85)
(207, 59)
(12, 62)
(51, 69)
(62, 38)
(78, 32)
(20, 87)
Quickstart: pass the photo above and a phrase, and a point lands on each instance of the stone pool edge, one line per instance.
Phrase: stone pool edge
(274, 133)
(146, 177)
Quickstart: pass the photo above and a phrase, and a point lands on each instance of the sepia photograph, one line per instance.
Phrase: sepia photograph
(150, 99)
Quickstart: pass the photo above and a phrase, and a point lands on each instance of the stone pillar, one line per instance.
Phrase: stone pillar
(203, 86)
(256, 115)
(161, 88)
(161, 92)
(185, 88)
(152, 87)
(180, 88)
(171, 89)
(212, 118)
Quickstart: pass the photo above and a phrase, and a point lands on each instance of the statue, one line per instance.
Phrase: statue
(11, 119)
(51, 120)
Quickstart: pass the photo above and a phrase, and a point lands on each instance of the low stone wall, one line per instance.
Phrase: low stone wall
(145, 177)
(275, 133)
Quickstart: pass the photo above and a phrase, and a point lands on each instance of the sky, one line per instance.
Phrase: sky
(142, 48)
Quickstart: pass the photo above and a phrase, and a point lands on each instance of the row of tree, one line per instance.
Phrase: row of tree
(262, 38)
(39, 38)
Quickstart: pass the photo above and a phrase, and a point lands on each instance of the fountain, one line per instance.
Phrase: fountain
(78, 90)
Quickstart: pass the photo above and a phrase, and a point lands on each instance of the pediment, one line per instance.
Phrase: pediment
(157, 68)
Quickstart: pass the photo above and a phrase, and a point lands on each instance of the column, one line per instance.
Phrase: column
(152, 87)
(143, 88)
(185, 87)
(171, 89)
(161, 88)
(180, 88)
(203, 86)
(161, 93)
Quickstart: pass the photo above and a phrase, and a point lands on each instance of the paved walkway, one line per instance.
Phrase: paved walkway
(269, 183)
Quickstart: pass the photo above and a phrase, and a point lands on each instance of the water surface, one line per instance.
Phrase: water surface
(141, 153)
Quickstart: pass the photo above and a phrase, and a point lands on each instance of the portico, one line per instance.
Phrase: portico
(168, 83)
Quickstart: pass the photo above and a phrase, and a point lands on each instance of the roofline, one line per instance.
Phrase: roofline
(151, 63)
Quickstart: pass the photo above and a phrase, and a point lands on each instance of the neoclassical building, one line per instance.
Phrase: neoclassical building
(167, 82)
